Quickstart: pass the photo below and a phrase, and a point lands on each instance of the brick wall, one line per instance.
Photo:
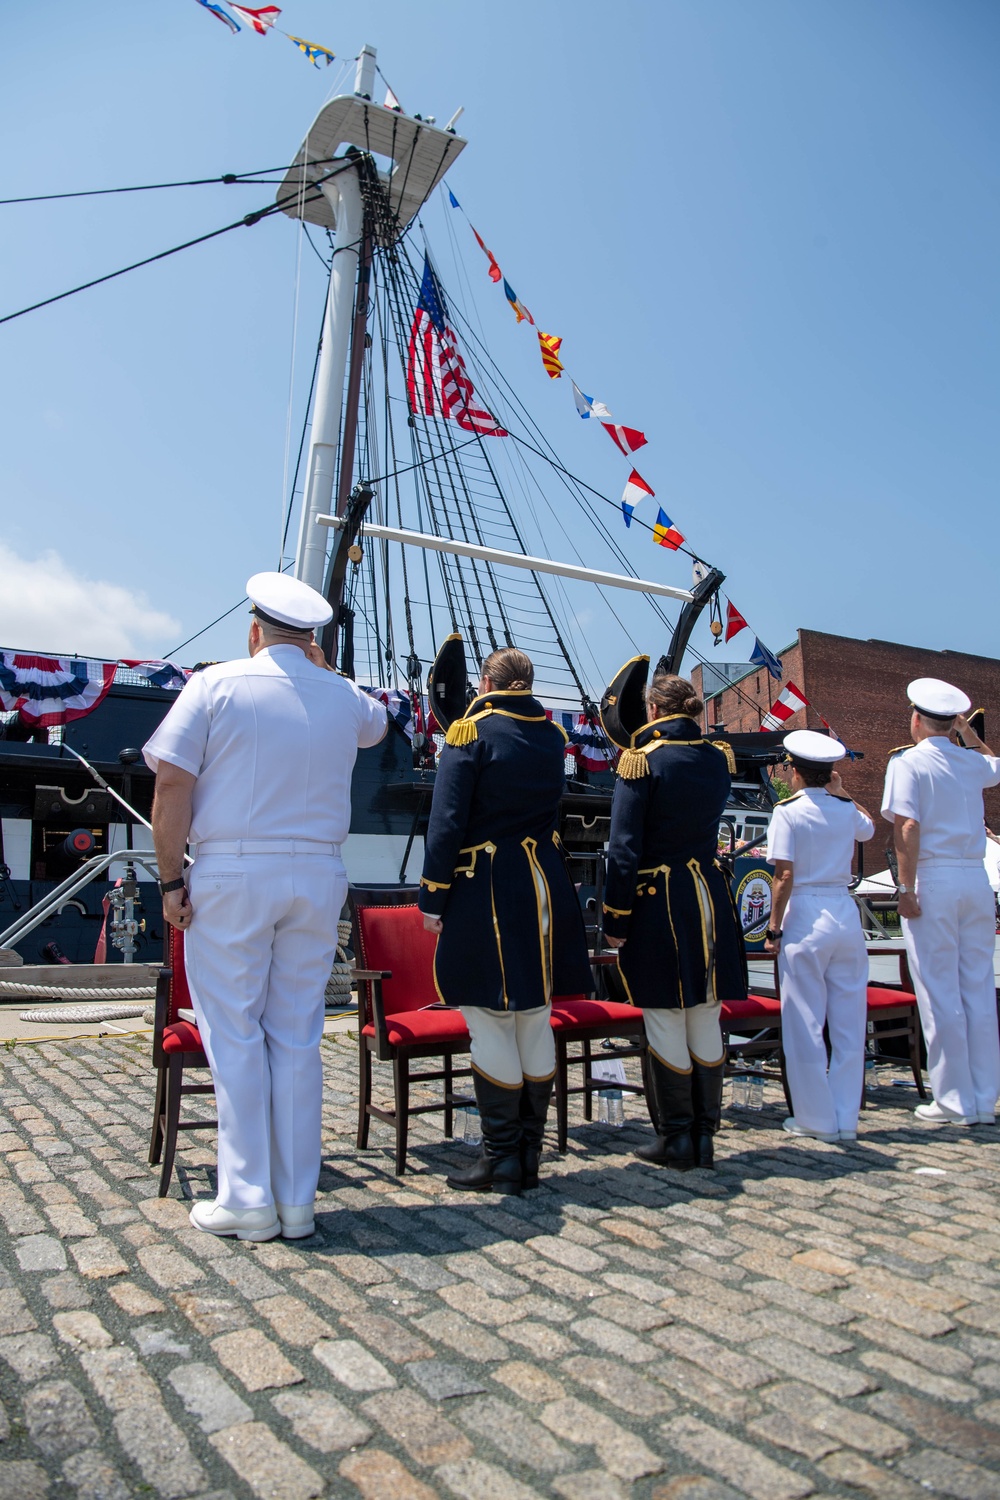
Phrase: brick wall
(860, 687)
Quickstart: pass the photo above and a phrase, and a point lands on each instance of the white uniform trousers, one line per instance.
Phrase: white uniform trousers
(677, 1036)
(511, 1045)
(950, 948)
(823, 970)
(259, 953)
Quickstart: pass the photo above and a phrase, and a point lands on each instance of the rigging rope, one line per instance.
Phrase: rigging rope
(229, 178)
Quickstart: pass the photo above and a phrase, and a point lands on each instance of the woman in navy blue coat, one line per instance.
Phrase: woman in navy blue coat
(496, 891)
(669, 909)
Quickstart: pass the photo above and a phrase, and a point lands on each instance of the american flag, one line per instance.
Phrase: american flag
(437, 383)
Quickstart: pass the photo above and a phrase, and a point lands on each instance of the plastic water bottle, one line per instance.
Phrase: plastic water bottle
(871, 1077)
(473, 1128)
(741, 1085)
(616, 1107)
(603, 1107)
(755, 1086)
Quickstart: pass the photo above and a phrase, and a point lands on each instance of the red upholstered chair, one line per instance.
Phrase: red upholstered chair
(400, 1011)
(892, 1012)
(757, 1019)
(575, 1019)
(176, 1046)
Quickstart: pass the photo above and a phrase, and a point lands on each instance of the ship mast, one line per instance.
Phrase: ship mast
(326, 189)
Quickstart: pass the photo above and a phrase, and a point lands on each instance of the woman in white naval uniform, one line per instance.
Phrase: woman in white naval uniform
(816, 933)
(253, 769)
(934, 796)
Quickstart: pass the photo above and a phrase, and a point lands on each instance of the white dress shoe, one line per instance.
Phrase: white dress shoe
(934, 1114)
(847, 1135)
(816, 1135)
(244, 1223)
(988, 1117)
(296, 1223)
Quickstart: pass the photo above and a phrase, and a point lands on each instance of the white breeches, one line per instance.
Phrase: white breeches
(950, 948)
(259, 952)
(675, 1036)
(511, 1045)
(823, 971)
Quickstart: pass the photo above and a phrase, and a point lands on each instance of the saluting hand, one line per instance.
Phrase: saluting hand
(315, 655)
(836, 784)
(177, 908)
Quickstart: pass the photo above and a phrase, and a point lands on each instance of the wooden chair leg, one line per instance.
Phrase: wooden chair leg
(171, 1116)
(449, 1089)
(914, 1041)
(588, 1097)
(647, 1088)
(562, 1099)
(784, 1076)
(364, 1091)
(401, 1081)
(156, 1138)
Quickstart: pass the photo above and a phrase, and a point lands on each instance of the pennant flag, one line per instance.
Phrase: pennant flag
(635, 491)
(312, 50)
(45, 691)
(453, 200)
(495, 272)
(391, 102)
(551, 345)
(785, 705)
(734, 621)
(625, 438)
(437, 383)
(587, 744)
(588, 407)
(761, 657)
(665, 533)
(222, 15)
(260, 19)
(509, 292)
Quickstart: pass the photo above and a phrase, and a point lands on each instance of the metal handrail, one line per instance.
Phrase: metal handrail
(37, 914)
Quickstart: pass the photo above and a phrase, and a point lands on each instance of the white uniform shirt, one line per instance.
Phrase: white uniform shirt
(941, 786)
(272, 740)
(816, 831)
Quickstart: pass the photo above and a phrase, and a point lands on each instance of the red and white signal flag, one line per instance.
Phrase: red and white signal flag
(787, 703)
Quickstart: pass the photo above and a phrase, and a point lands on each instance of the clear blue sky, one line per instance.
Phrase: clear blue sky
(768, 232)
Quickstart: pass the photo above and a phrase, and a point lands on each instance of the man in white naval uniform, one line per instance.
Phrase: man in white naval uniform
(934, 797)
(253, 770)
(816, 933)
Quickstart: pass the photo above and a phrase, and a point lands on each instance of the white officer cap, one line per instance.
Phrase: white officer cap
(809, 744)
(937, 699)
(280, 600)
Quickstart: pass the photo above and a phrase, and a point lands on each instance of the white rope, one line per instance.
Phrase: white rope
(74, 992)
(77, 1015)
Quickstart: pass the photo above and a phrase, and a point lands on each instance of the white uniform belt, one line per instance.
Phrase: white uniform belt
(815, 889)
(954, 861)
(240, 847)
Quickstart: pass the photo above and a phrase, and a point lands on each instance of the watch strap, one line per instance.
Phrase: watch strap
(166, 886)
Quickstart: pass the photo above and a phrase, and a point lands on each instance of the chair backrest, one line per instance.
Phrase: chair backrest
(180, 995)
(390, 935)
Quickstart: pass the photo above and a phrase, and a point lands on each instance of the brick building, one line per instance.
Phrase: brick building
(860, 689)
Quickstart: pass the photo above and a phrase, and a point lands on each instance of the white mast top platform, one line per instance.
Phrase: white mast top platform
(420, 152)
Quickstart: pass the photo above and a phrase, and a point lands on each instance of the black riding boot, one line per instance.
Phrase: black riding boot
(706, 1096)
(498, 1169)
(535, 1096)
(674, 1114)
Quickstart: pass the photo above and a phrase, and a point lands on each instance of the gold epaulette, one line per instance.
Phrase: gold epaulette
(464, 731)
(899, 750)
(632, 765)
(727, 751)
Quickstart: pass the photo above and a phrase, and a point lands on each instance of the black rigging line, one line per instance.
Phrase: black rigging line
(229, 178)
(247, 221)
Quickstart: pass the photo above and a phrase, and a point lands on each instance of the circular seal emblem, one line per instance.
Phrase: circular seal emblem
(753, 902)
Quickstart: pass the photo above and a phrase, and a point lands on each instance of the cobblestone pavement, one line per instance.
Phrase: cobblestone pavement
(809, 1320)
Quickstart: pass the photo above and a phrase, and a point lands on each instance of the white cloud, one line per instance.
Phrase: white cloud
(45, 605)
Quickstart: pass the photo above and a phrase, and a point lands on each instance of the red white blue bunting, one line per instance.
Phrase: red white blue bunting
(48, 690)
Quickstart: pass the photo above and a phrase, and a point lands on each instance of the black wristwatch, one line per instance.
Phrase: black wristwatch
(772, 936)
(166, 886)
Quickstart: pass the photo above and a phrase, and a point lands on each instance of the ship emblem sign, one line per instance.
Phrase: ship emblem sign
(753, 902)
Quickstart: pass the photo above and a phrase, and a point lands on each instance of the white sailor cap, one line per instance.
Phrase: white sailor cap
(937, 699)
(280, 600)
(809, 744)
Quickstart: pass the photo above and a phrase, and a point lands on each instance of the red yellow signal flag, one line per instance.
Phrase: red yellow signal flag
(520, 311)
(665, 533)
(551, 344)
(495, 272)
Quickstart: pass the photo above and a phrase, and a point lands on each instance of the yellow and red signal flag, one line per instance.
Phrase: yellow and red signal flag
(665, 533)
(551, 344)
(520, 311)
(495, 272)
